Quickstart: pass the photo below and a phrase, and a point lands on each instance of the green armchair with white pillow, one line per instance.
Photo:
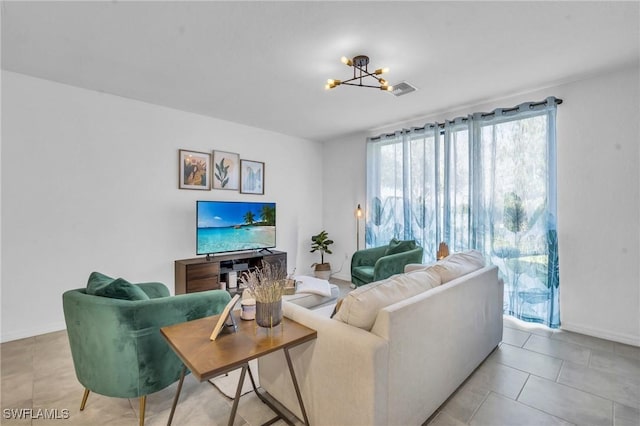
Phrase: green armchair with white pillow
(378, 263)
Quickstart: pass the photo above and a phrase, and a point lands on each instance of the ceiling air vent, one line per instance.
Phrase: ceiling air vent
(403, 88)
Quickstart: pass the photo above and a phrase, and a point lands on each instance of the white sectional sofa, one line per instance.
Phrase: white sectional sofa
(415, 354)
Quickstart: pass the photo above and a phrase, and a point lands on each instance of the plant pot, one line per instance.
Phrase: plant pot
(322, 271)
(268, 314)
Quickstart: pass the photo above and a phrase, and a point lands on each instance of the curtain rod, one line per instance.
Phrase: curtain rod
(482, 115)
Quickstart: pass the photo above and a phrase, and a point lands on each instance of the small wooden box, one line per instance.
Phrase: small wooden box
(289, 287)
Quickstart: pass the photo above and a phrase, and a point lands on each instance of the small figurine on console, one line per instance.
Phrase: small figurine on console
(443, 251)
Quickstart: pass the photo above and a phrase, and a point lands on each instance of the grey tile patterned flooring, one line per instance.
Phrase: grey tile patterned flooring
(535, 377)
(539, 376)
(37, 373)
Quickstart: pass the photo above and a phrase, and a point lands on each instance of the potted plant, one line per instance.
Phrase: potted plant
(321, 243)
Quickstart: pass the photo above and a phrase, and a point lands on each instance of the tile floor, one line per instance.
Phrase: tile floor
(539, 376)
(535, 377)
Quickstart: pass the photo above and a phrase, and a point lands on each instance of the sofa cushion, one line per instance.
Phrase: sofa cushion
(360, 307)
(102, 285)
(457, 264)
(97, 281)
(398, 246)
(154, 290)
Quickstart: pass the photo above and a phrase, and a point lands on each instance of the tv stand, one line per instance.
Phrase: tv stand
(265, 249)
(206, 273)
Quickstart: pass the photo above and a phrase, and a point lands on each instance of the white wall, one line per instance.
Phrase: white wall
(598, 197)
(89, 182)
(344, 182)
(599, 206)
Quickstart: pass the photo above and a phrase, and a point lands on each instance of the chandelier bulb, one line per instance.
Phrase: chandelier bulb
(331, 83)
(346, 61)
(381, 71)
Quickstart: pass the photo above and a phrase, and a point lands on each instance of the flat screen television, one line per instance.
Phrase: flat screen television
(224, 226)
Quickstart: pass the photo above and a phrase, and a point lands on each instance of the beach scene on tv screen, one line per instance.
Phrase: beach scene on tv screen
(235, 226)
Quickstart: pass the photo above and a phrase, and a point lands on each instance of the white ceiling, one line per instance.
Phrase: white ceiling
(265, 64)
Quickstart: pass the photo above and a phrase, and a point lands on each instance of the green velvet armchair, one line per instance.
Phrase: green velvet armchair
(378, 263)
(116, 344)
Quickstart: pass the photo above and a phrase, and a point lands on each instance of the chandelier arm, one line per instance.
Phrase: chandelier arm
(360, 85)
(366, 72)
(351, 79)
(359, 78)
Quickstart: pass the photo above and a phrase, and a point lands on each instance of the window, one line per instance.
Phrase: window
(484, 182)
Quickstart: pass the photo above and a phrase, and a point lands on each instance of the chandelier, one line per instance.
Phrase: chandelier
(360, 65)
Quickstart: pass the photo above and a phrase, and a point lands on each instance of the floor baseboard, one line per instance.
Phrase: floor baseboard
(627, 339)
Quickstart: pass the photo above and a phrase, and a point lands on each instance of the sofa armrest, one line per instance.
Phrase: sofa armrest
(464, 315)
(166, 311)
(367, 257)
(342, 374)
(394, 263)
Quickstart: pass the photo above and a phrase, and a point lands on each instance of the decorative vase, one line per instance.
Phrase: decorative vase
(322, 271)
(269, 314)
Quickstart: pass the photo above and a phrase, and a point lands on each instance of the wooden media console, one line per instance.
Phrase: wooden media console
(206, 273)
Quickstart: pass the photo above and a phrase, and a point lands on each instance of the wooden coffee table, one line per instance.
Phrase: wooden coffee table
(207, 359)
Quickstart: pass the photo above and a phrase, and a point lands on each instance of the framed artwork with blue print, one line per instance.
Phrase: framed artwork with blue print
(251, 177)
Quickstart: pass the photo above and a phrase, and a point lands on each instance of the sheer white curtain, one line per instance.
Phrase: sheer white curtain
(403, 189)
(486, 181)
(515, 214)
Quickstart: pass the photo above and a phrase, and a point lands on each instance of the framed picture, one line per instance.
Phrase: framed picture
(225, 319)
(226, 170)
(251, 177)
(194, 170)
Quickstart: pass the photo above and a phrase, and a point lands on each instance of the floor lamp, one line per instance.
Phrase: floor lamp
(358, 217)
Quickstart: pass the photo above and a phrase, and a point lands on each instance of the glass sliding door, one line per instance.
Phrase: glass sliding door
(517, 217)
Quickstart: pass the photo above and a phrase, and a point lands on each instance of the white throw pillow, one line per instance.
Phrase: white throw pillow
(458, 264)
(360, 307)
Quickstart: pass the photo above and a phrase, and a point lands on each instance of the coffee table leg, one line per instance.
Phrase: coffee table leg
(238, 392)
(175, 399)
(295, 385)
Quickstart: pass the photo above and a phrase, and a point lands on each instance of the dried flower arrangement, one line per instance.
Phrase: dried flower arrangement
(266, 284)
